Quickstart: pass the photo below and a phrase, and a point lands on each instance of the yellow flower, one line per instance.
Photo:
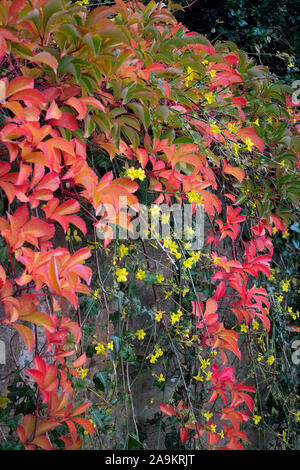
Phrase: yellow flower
(208, 375)
(140, 334)
(155, 210)
(209, 97)
(271, 360)
(285, 286)
(193, 196)
(159, 352)
(198, 377)
(161, 378)
(95, 294)
(165, 218)
(221, 434)
(274, 230)
(131, 172)
(255, 325)
(298, 416)
(215, 259)
(271, 278)
(141, 175)
(283, 435)
(286, 234)
(82, 372)
(244, 328)
(205, 363)
(215, 129)
(231, 126)
(110, 346)
(256, 122)
(153, 359)
(158, 315)
(100, 348)
(195, 256)
(77, 238)
(256, 419)
(188, 263)
(134, 173)
(249, 144)
(279, 298)
(185, 291)
(121, 274)
(123, 251)
(140, 274)
(160, 278)
(175, 317)
(207, 415)
(235, 147)
(259, 358)
(168, 294)
(212, 73)
(68, 236)
(213, 428)
(189, 78)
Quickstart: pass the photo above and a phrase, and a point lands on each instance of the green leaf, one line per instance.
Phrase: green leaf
(130, 121)
(133, 443)
(142, 113)
(103, 121)
(132, 136)
(100, 380)
(63, 65)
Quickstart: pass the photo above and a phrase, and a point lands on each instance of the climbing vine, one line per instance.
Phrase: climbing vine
(117, 111)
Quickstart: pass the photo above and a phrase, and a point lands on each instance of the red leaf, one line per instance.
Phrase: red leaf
(32, 95)
(168, 410)
(80, 361)
(248, 132)
(237, 172)
(67, 120)
(80, 409)
(183, 434)
(86, 424)
(220, 291)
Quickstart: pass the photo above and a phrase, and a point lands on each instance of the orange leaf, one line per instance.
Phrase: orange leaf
(45, 58)
(53, 111)
(86, 424)
(43, 442)
(249, 133)
(53, 275)
(80, 409)
(19, 84)
(34, 96)
(168, 410)
(80, 361)
(237, 172)
(40, 319)
(26, 334)
(46, 426)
